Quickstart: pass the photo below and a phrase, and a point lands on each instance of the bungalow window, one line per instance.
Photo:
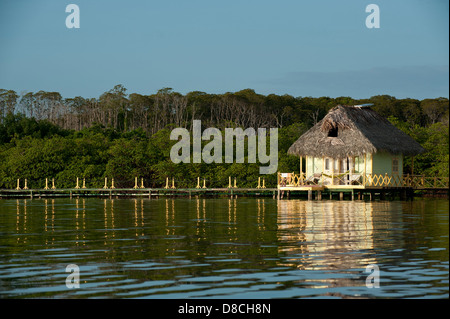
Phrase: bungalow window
(395, 166)
(356, 167)
(333, 132)
(327, 164)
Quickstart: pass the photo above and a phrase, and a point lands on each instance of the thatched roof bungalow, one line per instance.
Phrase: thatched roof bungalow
(354, 139)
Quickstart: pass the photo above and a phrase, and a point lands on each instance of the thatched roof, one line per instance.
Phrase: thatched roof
(359, 130)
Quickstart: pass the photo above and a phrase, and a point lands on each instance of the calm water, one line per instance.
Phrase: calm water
(222, 248)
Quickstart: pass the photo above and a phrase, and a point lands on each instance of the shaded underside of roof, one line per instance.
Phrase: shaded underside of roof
(360, 130)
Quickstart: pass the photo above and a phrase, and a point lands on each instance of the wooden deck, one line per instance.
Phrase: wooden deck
(298, 185)
(292, 181)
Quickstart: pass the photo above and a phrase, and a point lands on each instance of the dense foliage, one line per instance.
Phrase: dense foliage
(122, 136)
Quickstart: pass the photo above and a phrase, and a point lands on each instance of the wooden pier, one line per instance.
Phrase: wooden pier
(132, 192)
(307, 193)
(298, 186)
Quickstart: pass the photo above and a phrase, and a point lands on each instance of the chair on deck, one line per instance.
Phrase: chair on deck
(354, 179)
(313, 179)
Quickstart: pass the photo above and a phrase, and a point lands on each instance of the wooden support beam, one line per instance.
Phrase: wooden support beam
(364, 176)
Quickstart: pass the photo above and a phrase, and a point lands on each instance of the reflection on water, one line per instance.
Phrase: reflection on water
(328, 230)
(226, 248)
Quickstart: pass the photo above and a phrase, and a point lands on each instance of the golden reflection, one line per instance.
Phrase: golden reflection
(24, 226)
(138, 219)
(77, 225)
(17, 219)
(106, 221)
(167, 216)
(135, 218)
(112, 217)
(17, 215)
(25, 216)
(77, 221)
(204, 209)
(232, 219)
(21, 221)
(201, 216)
(84, 221)
(47, 222)
(142, 215)
(45, 218)
(325, 234)
(170, 217)
(170, 224)
(109, 220)
(261, 214)
(53, 217)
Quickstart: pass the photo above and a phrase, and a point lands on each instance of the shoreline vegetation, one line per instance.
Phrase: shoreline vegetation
(123, 136)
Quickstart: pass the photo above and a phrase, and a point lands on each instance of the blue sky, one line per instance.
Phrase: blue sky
(301, 48)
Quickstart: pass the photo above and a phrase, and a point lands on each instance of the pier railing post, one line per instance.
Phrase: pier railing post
(167, 183)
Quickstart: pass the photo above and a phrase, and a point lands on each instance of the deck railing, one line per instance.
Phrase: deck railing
(357, 179)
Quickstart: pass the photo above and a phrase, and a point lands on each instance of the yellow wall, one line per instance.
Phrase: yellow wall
(378, 163)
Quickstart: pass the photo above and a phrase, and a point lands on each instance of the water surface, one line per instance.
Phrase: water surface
(223, 248)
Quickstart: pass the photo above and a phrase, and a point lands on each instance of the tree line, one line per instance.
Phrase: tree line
(120, 135)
